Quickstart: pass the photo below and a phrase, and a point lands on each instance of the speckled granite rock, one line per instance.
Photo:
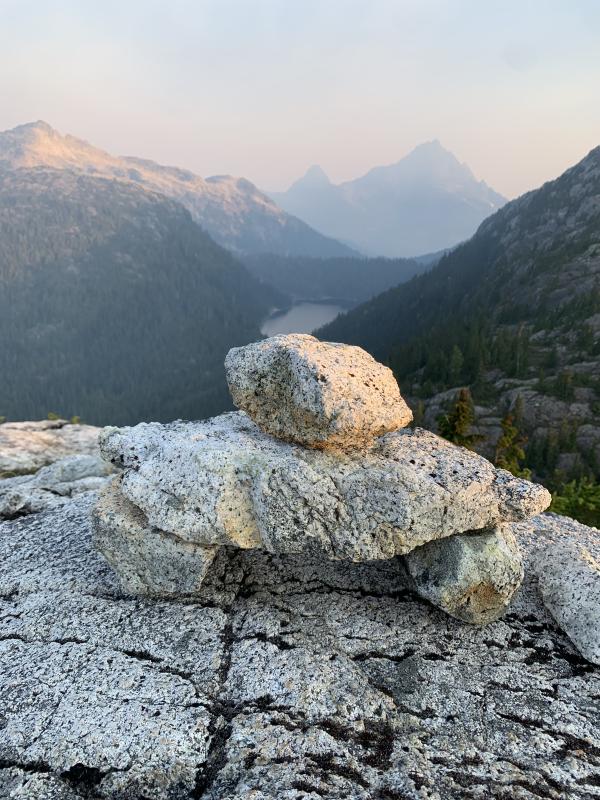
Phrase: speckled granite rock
(569, 580)
(223, 482)
(286, 677)
(471, 576)
(319, 394)
(25, 447)
(148, 561)
(51, 485)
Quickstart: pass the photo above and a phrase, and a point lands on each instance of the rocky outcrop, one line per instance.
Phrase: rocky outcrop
(348, 494)
(25, 447)
(52, 485)
(283, 677)
(225, 482)
(318, 394)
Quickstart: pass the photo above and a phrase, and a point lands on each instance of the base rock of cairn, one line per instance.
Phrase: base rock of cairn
(332, 486)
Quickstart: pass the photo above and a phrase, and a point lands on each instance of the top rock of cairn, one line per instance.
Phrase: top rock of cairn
(318, 394)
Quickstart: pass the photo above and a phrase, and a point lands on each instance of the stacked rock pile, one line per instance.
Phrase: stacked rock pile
(319, 460)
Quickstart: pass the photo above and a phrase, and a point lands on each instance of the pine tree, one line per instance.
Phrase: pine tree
(510, 452)
(456, 424)
(579, 499)
(456, 365)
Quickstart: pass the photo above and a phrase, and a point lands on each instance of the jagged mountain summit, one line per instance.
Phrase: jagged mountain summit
(232, 210)
(427, 201)
(514, 312)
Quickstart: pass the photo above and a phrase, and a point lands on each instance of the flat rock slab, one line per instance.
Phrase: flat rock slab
(25, 447)
(319, 394)
(471, 576)
(50, 486)
(286, 677)
(225, 482)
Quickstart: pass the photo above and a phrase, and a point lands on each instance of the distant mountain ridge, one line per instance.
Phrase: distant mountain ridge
(426, 202)
(232, 210)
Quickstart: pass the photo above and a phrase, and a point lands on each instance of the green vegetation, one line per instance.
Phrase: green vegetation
(457, 423)
(579, 499)
(347, 280)
(510, 447)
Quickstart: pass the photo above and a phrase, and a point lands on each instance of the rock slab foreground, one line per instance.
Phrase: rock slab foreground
(283, 677)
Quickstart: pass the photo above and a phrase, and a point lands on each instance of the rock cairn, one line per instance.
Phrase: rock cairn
(318, 461)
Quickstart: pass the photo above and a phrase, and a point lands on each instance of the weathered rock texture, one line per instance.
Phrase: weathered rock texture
(569, 580)
(52, 485)
(319, 394)
(27, 446)
(147, 560)
(285, 678)
(224, 482)
(471, 576)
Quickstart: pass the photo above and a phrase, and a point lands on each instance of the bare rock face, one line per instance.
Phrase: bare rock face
(318, 394)
(470, 576)
(569, 581)
(286, 677)
(25, 447)
(224, 482)
(52, 485)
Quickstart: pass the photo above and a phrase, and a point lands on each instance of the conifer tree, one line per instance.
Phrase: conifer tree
(510, 452)
(456, 424)
(456, 365)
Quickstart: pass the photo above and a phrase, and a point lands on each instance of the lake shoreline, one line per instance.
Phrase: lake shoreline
(303, 316)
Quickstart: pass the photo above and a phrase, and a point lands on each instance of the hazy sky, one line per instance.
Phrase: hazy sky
(265, 88)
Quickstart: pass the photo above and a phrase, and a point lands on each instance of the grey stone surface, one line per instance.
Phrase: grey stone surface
(51, 485)
(147, 561)
(287, 676)
(25, 447)
(472, 576)
(569, 580)
(225, 482)
(319, 394)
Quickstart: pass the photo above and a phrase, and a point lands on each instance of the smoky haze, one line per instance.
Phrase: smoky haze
(266, 88)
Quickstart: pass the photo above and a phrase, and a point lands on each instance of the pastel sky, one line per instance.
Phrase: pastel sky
(265, 88)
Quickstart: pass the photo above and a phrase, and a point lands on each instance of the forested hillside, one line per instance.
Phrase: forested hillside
(234, 212)
(348, 280)
(514, 314)
(114, 304)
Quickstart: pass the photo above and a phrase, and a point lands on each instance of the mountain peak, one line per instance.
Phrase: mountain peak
(39, 126)
(425, 202)
(314, 178)
(36, 144)
(429, 157)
